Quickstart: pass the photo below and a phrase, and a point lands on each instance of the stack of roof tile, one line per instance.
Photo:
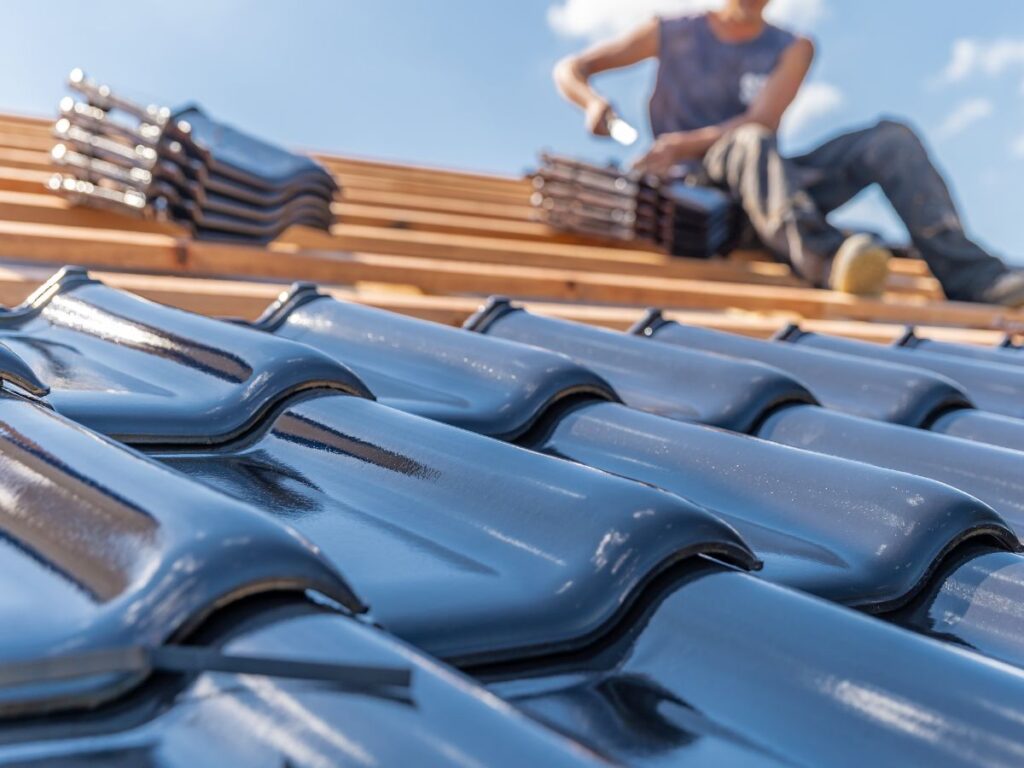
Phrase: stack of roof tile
(681, 218)
(181, 165)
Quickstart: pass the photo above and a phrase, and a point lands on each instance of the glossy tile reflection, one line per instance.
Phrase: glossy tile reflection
(487, 386)
(674, 382)
(150, 374)
(121, 551)
(871, 388)
(254, 720)
(729, 670)
(516, 550)
(991, 386)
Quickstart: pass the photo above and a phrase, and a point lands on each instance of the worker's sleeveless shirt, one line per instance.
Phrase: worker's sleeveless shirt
(703, 81)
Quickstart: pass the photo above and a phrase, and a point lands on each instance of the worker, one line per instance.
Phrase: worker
(725, 80)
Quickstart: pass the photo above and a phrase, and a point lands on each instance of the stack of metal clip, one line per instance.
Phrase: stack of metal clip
(681, 218)
(182, 166)
(578, 197)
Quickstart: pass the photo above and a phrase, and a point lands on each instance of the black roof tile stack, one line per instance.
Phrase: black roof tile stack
(181, 165)
(679, 217)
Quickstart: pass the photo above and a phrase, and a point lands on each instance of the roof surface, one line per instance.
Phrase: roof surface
(327, 525)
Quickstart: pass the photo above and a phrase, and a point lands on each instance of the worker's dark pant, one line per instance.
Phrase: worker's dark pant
(787, 200)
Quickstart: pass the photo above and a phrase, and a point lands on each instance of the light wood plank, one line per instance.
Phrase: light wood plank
(159, 252)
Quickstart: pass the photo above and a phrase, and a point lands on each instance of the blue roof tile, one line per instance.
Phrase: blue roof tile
(842, 530)
(988, 472)
(101, 547)
(649, 378)
(582, 591)
(464, 545)
(728, 669)
(990, 386)
(1005, 355)
(146, 373)
(974, 601)
(679, 383)
(257, 719)
(886, 391)
(487, 386)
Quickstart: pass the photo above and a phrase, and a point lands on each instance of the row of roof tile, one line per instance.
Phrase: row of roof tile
(575, 591)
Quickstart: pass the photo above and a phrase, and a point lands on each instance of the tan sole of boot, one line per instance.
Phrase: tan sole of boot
(861, 271)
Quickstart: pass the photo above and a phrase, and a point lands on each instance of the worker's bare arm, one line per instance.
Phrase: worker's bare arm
(782, 86)
(767, 109)
(572, 74)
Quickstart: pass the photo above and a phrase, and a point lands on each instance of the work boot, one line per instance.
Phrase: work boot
(1007, 290)
(860, 266)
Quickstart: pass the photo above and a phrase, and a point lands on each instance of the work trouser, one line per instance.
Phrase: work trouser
(787, 200)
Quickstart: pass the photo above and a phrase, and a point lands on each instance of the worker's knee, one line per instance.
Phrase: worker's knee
(896, 132)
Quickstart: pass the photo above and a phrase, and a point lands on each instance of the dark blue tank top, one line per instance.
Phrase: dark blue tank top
(703, 81)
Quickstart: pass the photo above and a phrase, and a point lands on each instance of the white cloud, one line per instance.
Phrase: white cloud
(800, 15)
(598, 19)
(963, 116)
(814, 101)
(971, 56)
(962, 60)
(1017, 147)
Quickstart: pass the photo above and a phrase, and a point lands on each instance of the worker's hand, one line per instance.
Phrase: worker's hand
(660, 157)
(669, 150)
(598, 113)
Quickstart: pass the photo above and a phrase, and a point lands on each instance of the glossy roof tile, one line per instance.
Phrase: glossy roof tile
(256, 719)
(146, 373)
(592, 601)
(974, 602)
(485, 385)
(679, 383)
(648, 378)
(1007, 355)
(776, 496)
(873, 389)
(990, 386)
(897, 393)
(231, 152)
(105, 548)
(982, 427)
(728, 669)
(842, 530)
(463, 545)
(208, 178)
(990, 473)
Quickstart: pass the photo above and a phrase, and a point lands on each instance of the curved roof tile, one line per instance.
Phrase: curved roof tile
(486, 385)
(145, 373)
(466, 546)
(876, 390)
(846, 531)
(990, 386)
(105, 548)
(669, 381)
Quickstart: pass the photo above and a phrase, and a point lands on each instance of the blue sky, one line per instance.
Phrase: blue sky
(466, 83)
